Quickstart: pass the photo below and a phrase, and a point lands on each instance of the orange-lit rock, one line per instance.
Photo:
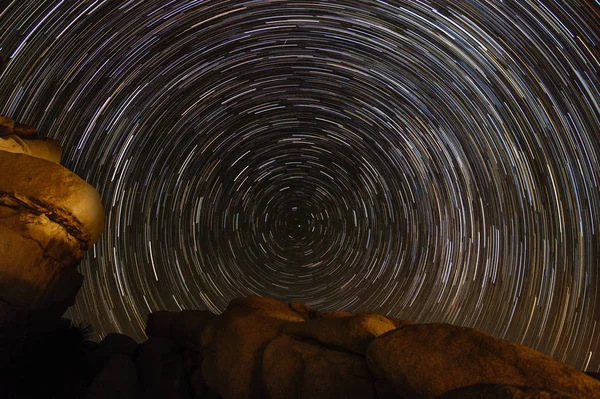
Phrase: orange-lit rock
(49, 216)
(34, 185)
(427, 360)
(37, 260)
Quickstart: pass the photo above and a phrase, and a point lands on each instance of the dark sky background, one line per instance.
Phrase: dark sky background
(433, 160)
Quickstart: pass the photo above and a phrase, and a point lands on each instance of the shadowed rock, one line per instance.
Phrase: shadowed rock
(8, 127)
(232, 345)
(117, 380)
(300, 370)
(114, 344)
(184, 328)
(161, 370)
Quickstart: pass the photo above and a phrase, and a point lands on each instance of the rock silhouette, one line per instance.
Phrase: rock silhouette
(262, 348)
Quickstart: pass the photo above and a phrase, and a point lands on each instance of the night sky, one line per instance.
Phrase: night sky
(433, 160)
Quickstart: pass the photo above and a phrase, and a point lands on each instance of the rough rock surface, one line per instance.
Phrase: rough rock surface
(34, 185)
(37, 261)
(48, 217)
(427, 360)
(301, 370)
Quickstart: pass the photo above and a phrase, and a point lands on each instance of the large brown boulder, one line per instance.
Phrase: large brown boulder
(232, 345)
(427, 360)
(293, 369)
(48, 217)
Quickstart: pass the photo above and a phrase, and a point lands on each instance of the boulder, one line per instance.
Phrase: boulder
(232, 345)
(300, 370)
(48, 217)
(350, 333)
(427, 360)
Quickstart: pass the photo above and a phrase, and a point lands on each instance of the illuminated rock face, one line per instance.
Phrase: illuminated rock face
(263, 348)
(48, 217)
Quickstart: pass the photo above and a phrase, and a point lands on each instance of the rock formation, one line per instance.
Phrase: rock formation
(257, 348)
(49, 217)
(263, 348)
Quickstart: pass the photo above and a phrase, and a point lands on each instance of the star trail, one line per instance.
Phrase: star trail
(434, 160)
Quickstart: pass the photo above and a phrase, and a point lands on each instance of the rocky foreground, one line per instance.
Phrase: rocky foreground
(257, 348)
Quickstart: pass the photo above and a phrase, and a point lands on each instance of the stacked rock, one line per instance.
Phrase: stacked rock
(263, 348)
(49, 216)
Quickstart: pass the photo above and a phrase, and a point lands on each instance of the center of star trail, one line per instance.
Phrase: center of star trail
(434, 160)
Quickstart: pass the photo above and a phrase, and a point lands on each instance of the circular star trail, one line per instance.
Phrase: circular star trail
(434, 160)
